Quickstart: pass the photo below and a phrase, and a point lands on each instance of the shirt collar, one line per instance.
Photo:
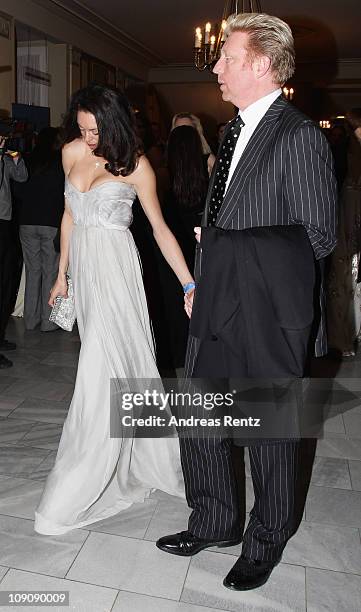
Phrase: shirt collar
(255, 111)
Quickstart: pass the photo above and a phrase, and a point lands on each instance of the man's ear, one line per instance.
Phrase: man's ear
(261, 66)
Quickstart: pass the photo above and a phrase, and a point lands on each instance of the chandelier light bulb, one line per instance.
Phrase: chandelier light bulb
(207, 32)
(224, 25)
(198, 38)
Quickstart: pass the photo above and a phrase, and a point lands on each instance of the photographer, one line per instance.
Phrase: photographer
(40, 204)
(12, 167)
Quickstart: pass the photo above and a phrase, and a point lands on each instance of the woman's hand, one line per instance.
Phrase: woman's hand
(143, 179)
(60, 288)
(188, 302)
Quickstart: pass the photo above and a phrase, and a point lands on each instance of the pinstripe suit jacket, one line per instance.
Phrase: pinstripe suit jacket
(285, 176)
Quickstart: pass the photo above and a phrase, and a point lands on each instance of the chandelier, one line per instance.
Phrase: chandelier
(208, 41)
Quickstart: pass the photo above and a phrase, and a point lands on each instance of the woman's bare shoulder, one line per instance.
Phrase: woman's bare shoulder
(143, 174)
(143, 167)
(75, 148)
(72, 152)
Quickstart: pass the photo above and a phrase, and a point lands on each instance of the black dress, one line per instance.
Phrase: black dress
(182, 222)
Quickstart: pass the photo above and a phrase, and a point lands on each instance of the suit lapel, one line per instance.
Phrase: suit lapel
(250, 157)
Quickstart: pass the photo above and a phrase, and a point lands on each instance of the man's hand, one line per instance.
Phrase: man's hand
(197, 231)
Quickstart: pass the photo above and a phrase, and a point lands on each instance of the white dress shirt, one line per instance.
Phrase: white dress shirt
(251, 117)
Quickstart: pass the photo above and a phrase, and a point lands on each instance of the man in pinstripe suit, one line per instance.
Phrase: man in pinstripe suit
(279, 172)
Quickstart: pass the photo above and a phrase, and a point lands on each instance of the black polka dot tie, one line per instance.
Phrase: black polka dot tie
(222, 168)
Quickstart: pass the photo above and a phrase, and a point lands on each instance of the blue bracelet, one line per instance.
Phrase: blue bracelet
(188, 287)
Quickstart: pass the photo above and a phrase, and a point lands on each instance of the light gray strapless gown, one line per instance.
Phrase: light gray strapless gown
(96, 476)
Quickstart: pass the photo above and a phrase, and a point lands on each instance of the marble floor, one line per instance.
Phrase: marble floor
(114, 565)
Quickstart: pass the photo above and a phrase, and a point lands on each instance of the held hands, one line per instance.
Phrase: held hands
(188, 302)
(60, 289)
(189, 295)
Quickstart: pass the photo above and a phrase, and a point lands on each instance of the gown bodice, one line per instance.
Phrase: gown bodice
(107, 205)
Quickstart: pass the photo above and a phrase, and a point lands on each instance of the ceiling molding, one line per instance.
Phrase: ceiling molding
(88, 19)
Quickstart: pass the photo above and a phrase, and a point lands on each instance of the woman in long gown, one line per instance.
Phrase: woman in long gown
(95, 475)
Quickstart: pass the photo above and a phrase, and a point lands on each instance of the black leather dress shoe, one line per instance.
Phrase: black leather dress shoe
(185, 544)
(247, 574)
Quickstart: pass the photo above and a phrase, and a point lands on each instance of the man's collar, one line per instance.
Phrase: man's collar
(255, 111)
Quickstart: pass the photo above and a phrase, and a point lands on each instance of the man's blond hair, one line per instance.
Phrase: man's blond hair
(270, 36)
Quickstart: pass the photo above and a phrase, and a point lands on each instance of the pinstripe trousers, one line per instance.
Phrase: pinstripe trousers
(211, 487)
(212, 494)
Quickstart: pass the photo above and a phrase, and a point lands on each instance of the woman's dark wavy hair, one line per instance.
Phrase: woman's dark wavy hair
(118, 140)
(187, 167)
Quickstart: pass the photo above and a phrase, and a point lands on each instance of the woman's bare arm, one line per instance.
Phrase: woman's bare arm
(143, 179)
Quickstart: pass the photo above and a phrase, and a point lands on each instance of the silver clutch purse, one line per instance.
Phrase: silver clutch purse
(63, 311)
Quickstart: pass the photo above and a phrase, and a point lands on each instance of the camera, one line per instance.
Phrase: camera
(12, 143)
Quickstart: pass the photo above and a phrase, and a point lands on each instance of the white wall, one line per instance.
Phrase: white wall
(50, 58)
(34, 55)
(59, 90)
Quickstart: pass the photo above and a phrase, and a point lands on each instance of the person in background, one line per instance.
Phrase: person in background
(156, 151)
(142, 233)
(182, 210)
(344, 290)
(188, 179)
(41, 208)
(19, 304)
(337, 136)
(190, 119)
(12, 167)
